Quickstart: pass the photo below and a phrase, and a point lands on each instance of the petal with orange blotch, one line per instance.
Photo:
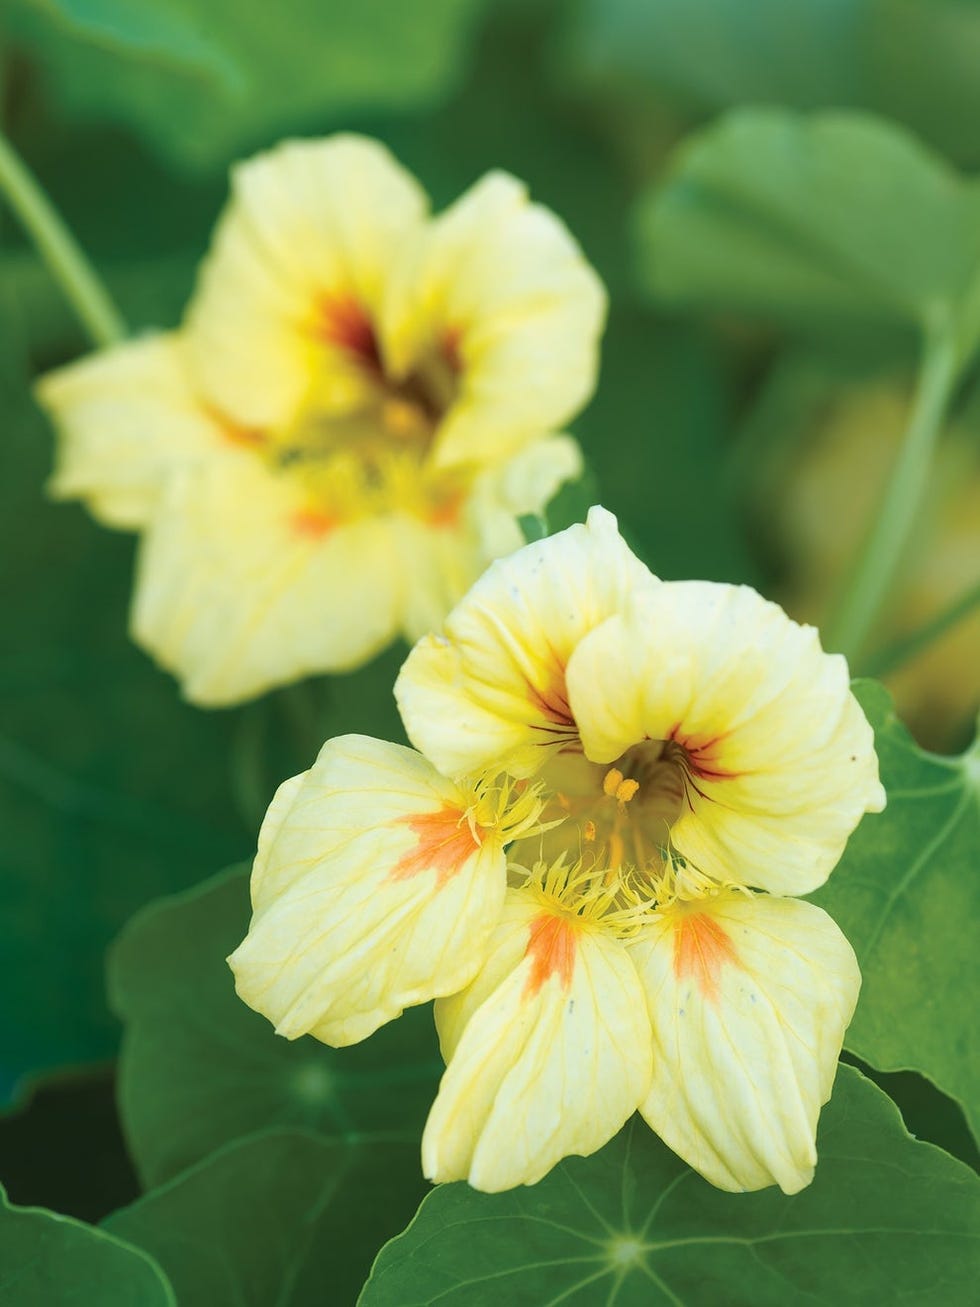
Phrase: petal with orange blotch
(548, 1052)
(371, 891)
(749, 998)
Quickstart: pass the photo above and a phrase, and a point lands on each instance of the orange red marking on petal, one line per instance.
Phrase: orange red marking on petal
(702, 949)
(445, 841)
(551, 949)
(343, 322)
(312, 523)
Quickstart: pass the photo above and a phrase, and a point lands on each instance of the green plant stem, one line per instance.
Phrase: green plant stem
(900, 651)
(874, 570)
(67, 264)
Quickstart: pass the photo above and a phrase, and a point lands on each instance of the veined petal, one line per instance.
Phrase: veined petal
(780, 759)
(296, 275)
(444, 558)
(490, 690)
(239, 589)
(371, 891)
(749, 999)
(548, 1049)
(505, 280)
(125, 417)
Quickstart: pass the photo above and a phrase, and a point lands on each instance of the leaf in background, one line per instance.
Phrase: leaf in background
(708, 54)
(809, 221)
(205, 83)
(914, 60)
(199, 1068)
(886, 1219)
(907, 896)
(282, 1217)
(47, 1260)
(112, 791)
(656, 438)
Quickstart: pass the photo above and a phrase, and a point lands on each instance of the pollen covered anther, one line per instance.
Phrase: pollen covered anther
(619, 787)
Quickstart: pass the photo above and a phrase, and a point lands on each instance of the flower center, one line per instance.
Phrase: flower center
(614, 817)
(360, 444)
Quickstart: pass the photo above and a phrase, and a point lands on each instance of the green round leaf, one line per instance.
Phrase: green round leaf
(112, 791)
(202, 84)
(198, 1068)
(810, 220)
(47, 1260)
(282, 1217)
(906, 894)
(886, 1220)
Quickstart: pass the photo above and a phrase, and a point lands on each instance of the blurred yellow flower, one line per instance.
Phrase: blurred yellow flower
(360, 404)
(620, 783)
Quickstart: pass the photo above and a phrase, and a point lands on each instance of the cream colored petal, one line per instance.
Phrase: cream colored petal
(781, 758)
(125, 417)
(444, 559)
(490, 690)
(749, 999)
(310, 223)
(237, 592)
(506, 280)
(370, 892)
(549, 1053)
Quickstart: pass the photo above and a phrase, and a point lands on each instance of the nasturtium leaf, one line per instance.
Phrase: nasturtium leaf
(281, 1217)
(809, 221)
(112, 791)
(886, 1219)
(907, 895)
(47, 1260)
(912, 60)
(198, 1068)
(201, 85)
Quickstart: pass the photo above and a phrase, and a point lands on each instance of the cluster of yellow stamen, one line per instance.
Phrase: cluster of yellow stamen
(512, 808)
(613, 900)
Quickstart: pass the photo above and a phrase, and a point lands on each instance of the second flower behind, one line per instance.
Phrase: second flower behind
(361, 403)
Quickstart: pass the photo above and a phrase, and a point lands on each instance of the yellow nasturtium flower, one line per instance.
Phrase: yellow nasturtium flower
(590, 863)
(361, 402)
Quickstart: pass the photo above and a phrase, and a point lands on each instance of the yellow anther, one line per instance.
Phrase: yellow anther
(626, 789)
(402, 418)
(612, 781)
(618, 786)
(588, 831)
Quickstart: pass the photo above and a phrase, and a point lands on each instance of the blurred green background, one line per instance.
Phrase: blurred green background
(738, 438)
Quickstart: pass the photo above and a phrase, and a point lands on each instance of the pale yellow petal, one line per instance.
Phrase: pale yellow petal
(371, 891)
(311, 226)
(549, 1053)
(490, 690)
(237, 590)
(781, 760)
(505, 280)
(443, 559)
(749, 999)
(125, 417)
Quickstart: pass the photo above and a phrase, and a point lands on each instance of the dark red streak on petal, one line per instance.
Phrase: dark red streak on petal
(344, 323)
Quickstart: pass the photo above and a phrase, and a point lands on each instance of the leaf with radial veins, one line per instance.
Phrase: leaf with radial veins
(886, 1219)
(198, 1068)
(48, 1260)
(809, 221)
(907, 895)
